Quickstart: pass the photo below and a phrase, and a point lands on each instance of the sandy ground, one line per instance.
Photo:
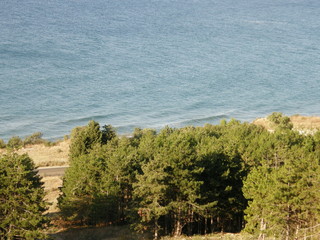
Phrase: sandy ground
(303, 124)
(51, 187)
(44, 156)
(48, 156)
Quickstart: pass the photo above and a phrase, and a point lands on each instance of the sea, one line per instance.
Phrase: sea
(154, 63)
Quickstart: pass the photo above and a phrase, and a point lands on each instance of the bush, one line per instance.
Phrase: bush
(35, 138)
(2, 144)
(14, 143)
(49, 143)
(280, 121)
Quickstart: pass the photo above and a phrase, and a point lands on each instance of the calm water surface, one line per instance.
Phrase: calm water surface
(151, 63)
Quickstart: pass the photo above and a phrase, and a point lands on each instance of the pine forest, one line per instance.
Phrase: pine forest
(231, 177)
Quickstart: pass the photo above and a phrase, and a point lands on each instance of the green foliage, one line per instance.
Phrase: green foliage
(89, 195)
(150, 192)
(2, 144)
(107, 133)
(225, 166)
(196, 179)
(83, 198)
(50, 143)
(35, 138)
(15, 142)
(168, 184)
(97, 186)
(21, 199)
(83, 139)
(281, 122)
(283, 191)
(190, 175)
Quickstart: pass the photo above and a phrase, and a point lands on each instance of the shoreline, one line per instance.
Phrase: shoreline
(57, 155)
(127, 131)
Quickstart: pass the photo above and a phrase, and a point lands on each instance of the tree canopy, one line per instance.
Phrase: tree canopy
(21, 199)
(196, 179)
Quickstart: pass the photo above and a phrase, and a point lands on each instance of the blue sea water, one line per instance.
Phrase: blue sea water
(151, 63)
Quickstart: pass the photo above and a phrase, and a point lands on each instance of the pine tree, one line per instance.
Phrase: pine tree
(83, 139)
(21, 199)
(150, 191)
(258, 189)
(283, 197)
(169, 182)
(86, 197)
(221, 192)
(80, 185)
(121, 165)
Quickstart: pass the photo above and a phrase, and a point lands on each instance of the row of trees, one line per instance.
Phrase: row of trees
(196, 179)
(228, 177)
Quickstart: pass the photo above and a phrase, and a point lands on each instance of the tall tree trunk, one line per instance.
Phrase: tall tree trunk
(177, 224)
(177, 228)
(263, 226)
(205, 224)
(190, 221)
(297, 231)
(287, 232)
(221, 223)
(211, 224)
(156, 229)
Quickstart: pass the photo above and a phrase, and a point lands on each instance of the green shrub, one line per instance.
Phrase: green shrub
(2, 144)
(280, 121)
(49, 143)
(14, 143)
(35, 138)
